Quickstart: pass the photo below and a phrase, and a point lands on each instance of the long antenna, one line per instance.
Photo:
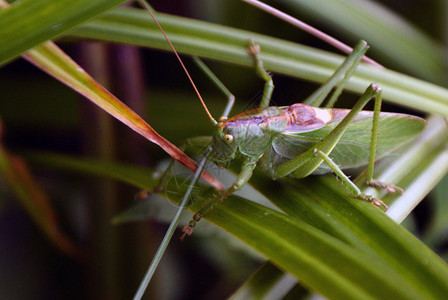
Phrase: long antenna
(148, 8)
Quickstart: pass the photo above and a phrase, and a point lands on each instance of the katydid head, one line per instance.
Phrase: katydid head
(224, 144)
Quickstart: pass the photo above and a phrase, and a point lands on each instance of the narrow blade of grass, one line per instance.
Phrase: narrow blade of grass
(125, 25)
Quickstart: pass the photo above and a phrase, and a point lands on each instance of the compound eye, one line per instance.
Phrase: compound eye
(228, 138)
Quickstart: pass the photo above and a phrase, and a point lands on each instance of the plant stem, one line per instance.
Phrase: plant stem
(169, 233)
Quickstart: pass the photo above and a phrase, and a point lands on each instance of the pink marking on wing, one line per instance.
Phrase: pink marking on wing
(302, 117)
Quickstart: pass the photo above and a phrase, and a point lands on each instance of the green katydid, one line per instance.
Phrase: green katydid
(302, 139)
(298, 139)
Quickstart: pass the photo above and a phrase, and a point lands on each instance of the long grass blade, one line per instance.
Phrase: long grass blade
(169, 233)
(125, 25)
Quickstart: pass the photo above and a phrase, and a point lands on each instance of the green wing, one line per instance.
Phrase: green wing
(353, 148)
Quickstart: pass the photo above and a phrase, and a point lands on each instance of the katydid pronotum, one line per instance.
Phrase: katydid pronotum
(301, 139)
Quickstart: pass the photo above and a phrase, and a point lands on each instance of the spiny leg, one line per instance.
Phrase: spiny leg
(254, 50)
(346, 69)
(370, 181)
(242, 178)
(203, 141)
(163, 180)
(390, 188)
(338, 78)
(304, 164)
(350, 185)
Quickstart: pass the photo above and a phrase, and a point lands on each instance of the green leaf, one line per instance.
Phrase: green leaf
(268, 282)
(437, 233)
(340, 247)
(38, 21)
(304, 200)
(132, 26)
(398, 41)
(136, 176)
(417, 170)
(325, 264)
(336, 245)
(291, 243)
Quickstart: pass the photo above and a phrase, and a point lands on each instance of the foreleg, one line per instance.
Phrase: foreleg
(244, 176)
(201, 141)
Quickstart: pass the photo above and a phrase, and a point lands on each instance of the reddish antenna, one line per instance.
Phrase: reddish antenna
(147, 7)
